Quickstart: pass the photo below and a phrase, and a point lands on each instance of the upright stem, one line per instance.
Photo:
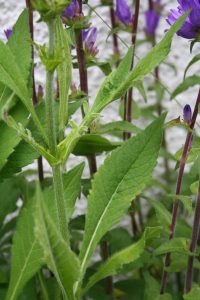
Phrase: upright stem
(34, 96)
(178, 189)
(92, 158)
(51, 131)
(130, 92)
(193, 244)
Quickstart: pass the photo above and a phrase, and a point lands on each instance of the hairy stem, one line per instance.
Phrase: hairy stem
(193, 244)
(34, 96)
(51, 131)
(178, 189)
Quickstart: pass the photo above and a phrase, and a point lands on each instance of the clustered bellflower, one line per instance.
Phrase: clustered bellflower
(187, 114)
(191, 27)
(123, 12)
(72, 11)
(152, 18)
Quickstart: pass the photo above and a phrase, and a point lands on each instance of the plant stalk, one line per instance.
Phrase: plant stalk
(178, 189)
(51, 131)
(114, 35)
(193, 244)
(34, 96)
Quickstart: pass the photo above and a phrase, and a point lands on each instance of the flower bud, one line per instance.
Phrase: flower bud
(187, 114)
(8, 33)
(123, 12)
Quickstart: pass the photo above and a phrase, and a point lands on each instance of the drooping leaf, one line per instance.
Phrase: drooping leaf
(175, 245)
(195, 59)
(124, 174)
(57, 253)
(93, 143)
(117, 126)
(185, 85)
(27, 255)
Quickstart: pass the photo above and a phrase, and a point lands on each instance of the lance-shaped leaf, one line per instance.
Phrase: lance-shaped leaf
(64, 71)
(120, 80)
(115, 263)
(57, 253)
(122, 177)
(21, 36)
(26, 252)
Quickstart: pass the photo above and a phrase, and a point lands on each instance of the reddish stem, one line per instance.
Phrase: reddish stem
(193, 244)
(178, 189)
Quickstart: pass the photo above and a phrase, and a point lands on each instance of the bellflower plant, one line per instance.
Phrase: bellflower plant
(51, 248)
(191, 26)
(123, 12)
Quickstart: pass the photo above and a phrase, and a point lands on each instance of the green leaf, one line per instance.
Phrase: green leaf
(120, 80)
(195, 59)
(121, 126)
(122, 177)
(113, 265)
(93, 143)
(185, 85)
(8, 199)
(27, 255)
(186, 200)
(21, 36)
(64, 71)
(8, 136)
(176, 245)
(193, 295)
(58, 256)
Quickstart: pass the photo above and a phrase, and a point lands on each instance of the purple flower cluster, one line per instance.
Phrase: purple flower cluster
(72, 11)
(123, 12)
(191, 27)
(152, 18)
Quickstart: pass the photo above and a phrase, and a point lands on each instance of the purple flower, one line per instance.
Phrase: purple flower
(187, 114)
(191, 26)
(152, 18)
(8, 33)
(123, 12)
(89, 37)
(72, 10)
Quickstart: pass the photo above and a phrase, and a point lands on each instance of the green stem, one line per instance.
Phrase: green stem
(60, 200)
(50, 118)
(51, 131)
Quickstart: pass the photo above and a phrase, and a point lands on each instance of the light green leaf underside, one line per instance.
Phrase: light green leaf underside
(57, 254)
(26, 252)
(123, 176)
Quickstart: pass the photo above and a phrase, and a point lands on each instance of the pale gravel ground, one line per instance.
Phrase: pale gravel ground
(9, 11)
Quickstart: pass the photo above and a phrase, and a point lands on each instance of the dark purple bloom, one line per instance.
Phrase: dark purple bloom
(8, 33)
(191, 26)
(123, 12)
(89, 37)
(187, 114)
